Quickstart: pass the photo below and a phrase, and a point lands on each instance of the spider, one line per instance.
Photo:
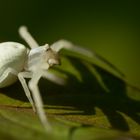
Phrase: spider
(18, 62)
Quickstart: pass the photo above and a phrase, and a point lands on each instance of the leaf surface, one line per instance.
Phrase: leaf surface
(95, 104)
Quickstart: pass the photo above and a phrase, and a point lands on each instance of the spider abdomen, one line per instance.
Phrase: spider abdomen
(12, 55)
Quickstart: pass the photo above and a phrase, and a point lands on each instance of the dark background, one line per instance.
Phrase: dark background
(111, 28)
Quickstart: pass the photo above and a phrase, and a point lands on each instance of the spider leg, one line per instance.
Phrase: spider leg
(33, 85)
(54, 78)
(3, 77)
(21, 77)
(25, 35)
(57, 46)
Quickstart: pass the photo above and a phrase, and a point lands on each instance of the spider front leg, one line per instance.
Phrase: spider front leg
(33, 85)
(54, 78)
(60, 44)
(21, 77)
(10, 71)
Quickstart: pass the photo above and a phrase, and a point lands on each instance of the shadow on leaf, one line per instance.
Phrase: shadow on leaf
(89, 93)
(109, 95)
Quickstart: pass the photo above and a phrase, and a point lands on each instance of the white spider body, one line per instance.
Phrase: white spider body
(12, 55)
(17, 61)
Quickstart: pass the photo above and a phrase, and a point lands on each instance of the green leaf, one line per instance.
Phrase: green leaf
(95, 104)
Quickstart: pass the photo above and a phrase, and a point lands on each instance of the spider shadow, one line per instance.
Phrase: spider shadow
(89, 93)
(14, 91)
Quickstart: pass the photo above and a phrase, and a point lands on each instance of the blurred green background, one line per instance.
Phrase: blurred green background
(111, 28)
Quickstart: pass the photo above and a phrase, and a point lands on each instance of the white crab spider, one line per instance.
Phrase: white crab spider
(16, 61)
